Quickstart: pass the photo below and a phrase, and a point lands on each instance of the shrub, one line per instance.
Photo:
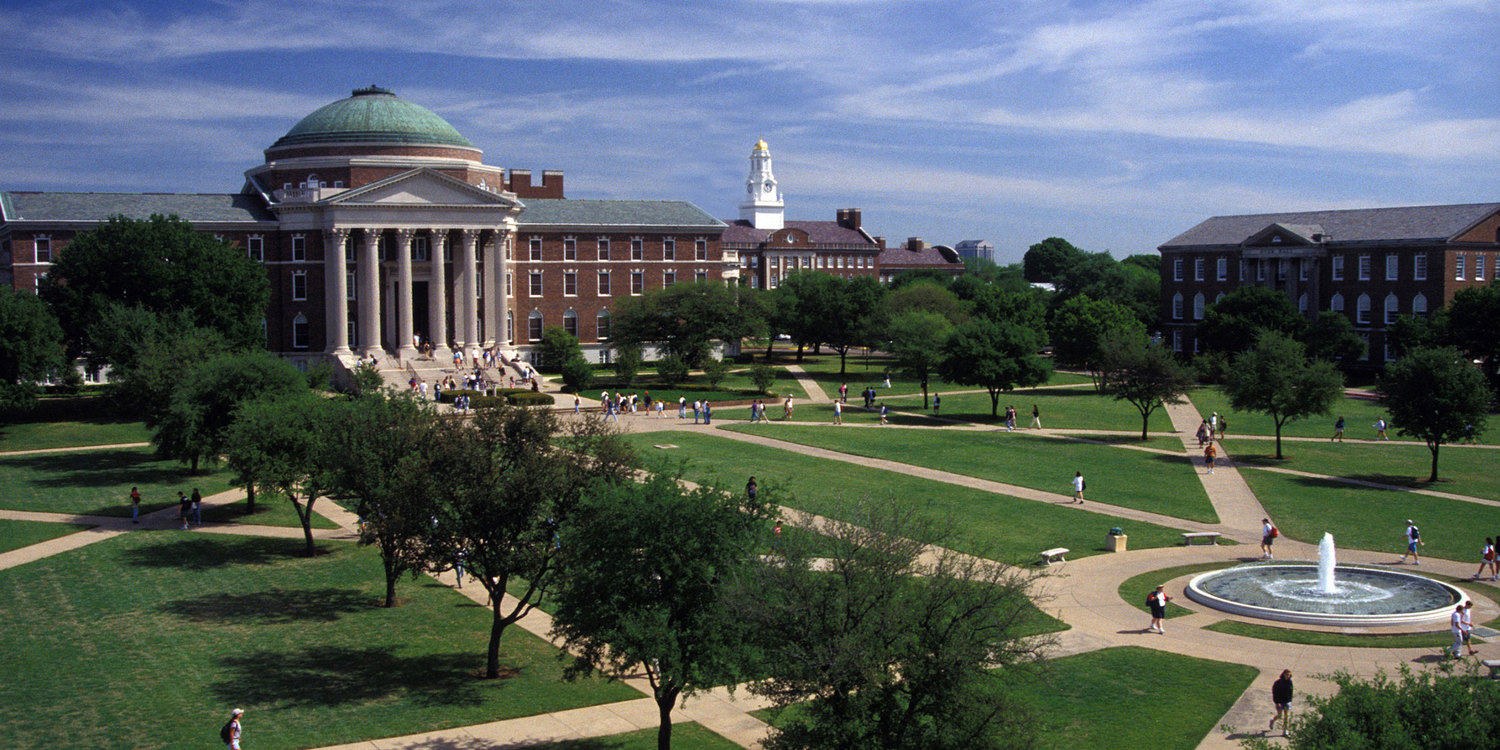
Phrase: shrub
(627, 365)
(672, 369)
(715, 370)
(763, 376)
(577, 374)
(530, 398)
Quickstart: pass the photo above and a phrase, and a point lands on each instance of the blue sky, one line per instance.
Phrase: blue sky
(1116, 125)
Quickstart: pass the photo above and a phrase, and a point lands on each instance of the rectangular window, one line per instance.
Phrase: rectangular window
(668, 278)
(299, 247)
(1362, 310)
(604, 283)
(700, 276)
(255, 249)
(1478, 267)
(637, 282)
(669, 248)
(299, 332)
(350, 286)
(1338, 268)
(1302, 264)
(1364, 268)
(637, 248)
(534, 327)
(348, 251)
(1260, 272)
(1177, 339)
(570, 248)
(536, 283)
(535, 245)
(602, 323)
(1222, 269)
(841, 263)
(299, 285)
(603, 248)
(700, 248)
(570, 323)
(570, 283)
(1177, 306)
(1176, 269)
(1197, 269)
(1281, 266)
(420, 250)
(1458, 267)
(509, 285)
(1419, 267)
(1392, 262)
(1244, 270)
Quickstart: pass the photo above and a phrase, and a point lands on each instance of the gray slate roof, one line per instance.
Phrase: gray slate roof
(821, 232)
(1403, 224)
(201, 208)
(563, 212)
(930, 255)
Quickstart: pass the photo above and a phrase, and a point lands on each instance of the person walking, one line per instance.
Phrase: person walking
(786, 407)
(1338, 430)
(135, 505)
(1456, 626)
(1157, 601)
(1486, 557)
(1036, 417)
(1495, 562)
(1208, 457)
(697, 406)
(184, 507)
(838, 412)
(708, 413)
(1078, 487)
(1468, 624)
(1413, 541)
(682, 407)
(197, 508)
(937, 403)
(1268, 534)
(230, 734)
(884, 413)
(1202, 434)
(1380, 429)
(1281, 695)
(1223, 425)
(750, 488)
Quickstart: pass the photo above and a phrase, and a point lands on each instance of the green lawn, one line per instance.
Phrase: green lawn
(1134, 589)
(1461, 470)
(1008, 528)
(153, 636)
(25, 436)
(1061, 408)
(270, 510)
(865, 371)
(99, 482)
(685, 736)
(736, 387)
(18, 534)
(1359, 419)
(1145, 481)
(1319, 638)
(1363, 518)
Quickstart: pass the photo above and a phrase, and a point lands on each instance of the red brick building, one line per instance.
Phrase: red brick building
(379, 225)
(1371, 265)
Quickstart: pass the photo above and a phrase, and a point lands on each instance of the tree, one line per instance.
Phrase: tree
(1276, 379)
(161, 359)
(715, 370)
(30, 347)
(1080, 324)
(577, 374)
(1145, 374)
(1470, 326)
(557, 348)
(627, 364)
(671, 369)
(684, 319)
(1411, 333)
(763, 376)
(1436, 395)
(279, 443)
(642, 586)
(995, 356)
(162, 265)
(203, 404)
(510, 481)
(925, 296)
(800, 304)
(1232, 323)
(849, 314)
(893, 640)
(917, 340)
(374, 448)
(1332, 337)
(1048, 258)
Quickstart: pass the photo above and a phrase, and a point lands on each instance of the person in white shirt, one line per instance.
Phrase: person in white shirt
(1456, 624)
(1078, 485)
(1468, 626)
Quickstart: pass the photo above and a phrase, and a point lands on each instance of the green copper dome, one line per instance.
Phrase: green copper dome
(374, 115)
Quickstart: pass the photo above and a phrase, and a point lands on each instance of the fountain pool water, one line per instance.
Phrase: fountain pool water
(1326, 594)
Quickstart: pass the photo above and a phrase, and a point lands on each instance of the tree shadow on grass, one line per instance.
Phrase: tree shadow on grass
(276, 606)
(1335, 484)
(204, 553)
(106, 468)
(332, 676)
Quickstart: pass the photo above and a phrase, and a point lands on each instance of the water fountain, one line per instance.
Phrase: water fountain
(1326, 594)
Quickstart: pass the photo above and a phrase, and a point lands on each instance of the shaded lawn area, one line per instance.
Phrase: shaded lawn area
(1364, 518)
(1145, 481)
(685, 736)
(38, 435)
(737, 386)
(1461, 470)
(1006, 528)
(154, 636)
(1062, 409)
(1158, 442)
(98, 482)
(1359, 417)
(18, 534)
(871, 370)
(270, 510)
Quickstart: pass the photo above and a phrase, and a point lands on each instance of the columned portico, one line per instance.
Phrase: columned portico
(336, 292)
(368, 270)
(405, 349)
(437, 303)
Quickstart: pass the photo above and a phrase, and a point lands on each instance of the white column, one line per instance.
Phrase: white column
(405, 349)
(437, 298)
(368, 270)
(487, 252)
(466, 326)
(498, 303)
(335, 292)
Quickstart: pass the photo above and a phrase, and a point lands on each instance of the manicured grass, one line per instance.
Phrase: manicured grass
(1135, 589)
(270, 510)
(1062, 409)
(737, 386)
(1461, 470)
(1359, 417)
(865, 371)
(1319, 638)
(1007, 528)
(26, 436)
(154, 636)
(685, 736)
(99, 482)
(1364, 518)
(1157, 442)
(18, 534)
(1145, 481)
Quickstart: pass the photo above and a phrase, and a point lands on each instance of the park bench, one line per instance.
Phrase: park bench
(1056, 552)
(1494, 667)
(1189, 536)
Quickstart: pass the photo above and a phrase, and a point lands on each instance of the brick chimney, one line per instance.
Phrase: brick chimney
(914, 244)
(848, 218)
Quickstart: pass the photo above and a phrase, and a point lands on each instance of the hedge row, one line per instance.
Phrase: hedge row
(495, 396)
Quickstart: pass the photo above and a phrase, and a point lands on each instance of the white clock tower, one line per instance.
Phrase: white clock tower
(762, 205)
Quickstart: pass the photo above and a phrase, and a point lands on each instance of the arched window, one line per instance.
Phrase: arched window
(534, 325)
(299, 331)
(1392, 308)
(602, 324)
(1198, 306)
(570, 322)
(1419, 306)
(1177, 306)
(1302, 303)
(1218, 297)
(1336, 303)
(1362, 309)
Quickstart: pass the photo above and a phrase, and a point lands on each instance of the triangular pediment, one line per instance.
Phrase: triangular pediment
(1285, 234)
(423, 187)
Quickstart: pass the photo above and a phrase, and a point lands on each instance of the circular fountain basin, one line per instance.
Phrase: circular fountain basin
(1291, 593)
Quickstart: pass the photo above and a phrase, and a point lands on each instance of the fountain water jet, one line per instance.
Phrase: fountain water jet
(1326, 562)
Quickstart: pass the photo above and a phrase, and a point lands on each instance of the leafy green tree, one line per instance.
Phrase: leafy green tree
(1143, 373)
(801, 305)
(278, 443)
(30, 347)
(917, 338)
(1021, 308)
(1045, 260)
(685, 319)
(1233, 323)
(577, 374)
(557, 348)
(1332, 337)
(852, 315)
(714, 371)
(203, 404)
(1471, 326)
(672, 369)
(374, 447)
(1276, 379)
(925, 296)
(627, 364)
(642, 586)
(1408, 334)
(904, 644)
(995, 356)
(1435, 394)
(510, 481)
(162, 265)
(763, 376)
(1080, 324)
(1127, 285)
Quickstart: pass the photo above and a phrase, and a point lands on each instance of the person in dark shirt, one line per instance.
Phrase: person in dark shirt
(1281, 695)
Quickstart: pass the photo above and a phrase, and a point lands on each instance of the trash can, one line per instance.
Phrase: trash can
(1116, 540)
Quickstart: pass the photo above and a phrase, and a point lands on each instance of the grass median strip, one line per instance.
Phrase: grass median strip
(1462, 470)
(1135, 588)
(18, 534)
(98, 482)
(1341, 640)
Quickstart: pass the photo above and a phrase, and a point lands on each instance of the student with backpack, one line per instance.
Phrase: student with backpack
(1268, 534)
(1413, 541)
(1157, 602)
(1486, 557)
(230, 732)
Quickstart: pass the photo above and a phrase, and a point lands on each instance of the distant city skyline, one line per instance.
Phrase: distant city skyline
(1115, 126)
